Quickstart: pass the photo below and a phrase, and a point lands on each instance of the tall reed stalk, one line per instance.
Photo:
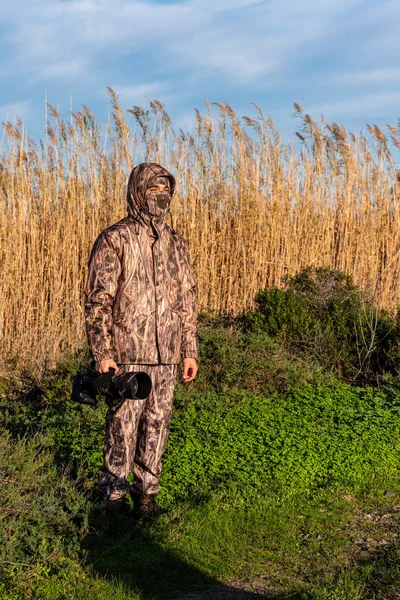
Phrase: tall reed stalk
(252, 207)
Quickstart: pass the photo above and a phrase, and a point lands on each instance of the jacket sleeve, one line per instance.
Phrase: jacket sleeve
(104, 269)
(190, 338)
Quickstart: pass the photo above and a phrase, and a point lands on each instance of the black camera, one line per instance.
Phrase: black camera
(86, 386)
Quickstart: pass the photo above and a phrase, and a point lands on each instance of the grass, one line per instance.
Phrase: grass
(300, 549)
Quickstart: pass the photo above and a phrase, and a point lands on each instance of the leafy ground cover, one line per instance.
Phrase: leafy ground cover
(280, 479)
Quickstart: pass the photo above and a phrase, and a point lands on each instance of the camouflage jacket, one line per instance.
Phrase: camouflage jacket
(140, 290)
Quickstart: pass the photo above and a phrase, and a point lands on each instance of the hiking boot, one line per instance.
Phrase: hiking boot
(145, 508)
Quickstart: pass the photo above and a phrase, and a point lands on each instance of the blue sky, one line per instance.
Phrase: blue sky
(339, 58)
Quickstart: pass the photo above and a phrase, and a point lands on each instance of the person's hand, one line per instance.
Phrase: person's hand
(104, 365)
(190, 369)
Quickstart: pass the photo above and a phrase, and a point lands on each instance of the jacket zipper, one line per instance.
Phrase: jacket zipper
(155, 298)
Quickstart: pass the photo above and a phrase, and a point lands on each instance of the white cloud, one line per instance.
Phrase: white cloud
(60, 39)
(241, 41)
(383, 75)
(8, 112)
(381, 104)
(260, 42)
(137, 94)
(68, 69)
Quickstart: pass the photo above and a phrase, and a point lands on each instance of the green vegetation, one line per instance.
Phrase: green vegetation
(326, 317)
(281, 473)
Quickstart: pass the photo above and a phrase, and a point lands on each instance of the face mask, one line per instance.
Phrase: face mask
(158, 202)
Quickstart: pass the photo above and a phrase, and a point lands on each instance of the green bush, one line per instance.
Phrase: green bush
(230, 358)
(43, 518)
(43, 515)
(324, 316)
(74, 433)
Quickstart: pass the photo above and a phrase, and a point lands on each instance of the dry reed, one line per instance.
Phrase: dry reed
(253, 209)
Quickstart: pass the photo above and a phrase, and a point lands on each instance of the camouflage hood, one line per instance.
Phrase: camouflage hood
(141, 178)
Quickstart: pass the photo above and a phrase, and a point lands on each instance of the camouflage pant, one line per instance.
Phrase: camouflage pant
(136, 434)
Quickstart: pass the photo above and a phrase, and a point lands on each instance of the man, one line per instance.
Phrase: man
(141, 316)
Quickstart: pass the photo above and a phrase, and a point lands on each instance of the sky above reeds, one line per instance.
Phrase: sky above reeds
(339, 58)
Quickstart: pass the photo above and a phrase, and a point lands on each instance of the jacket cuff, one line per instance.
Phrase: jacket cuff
(191, 349)
(105, 355)
(189, 355)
